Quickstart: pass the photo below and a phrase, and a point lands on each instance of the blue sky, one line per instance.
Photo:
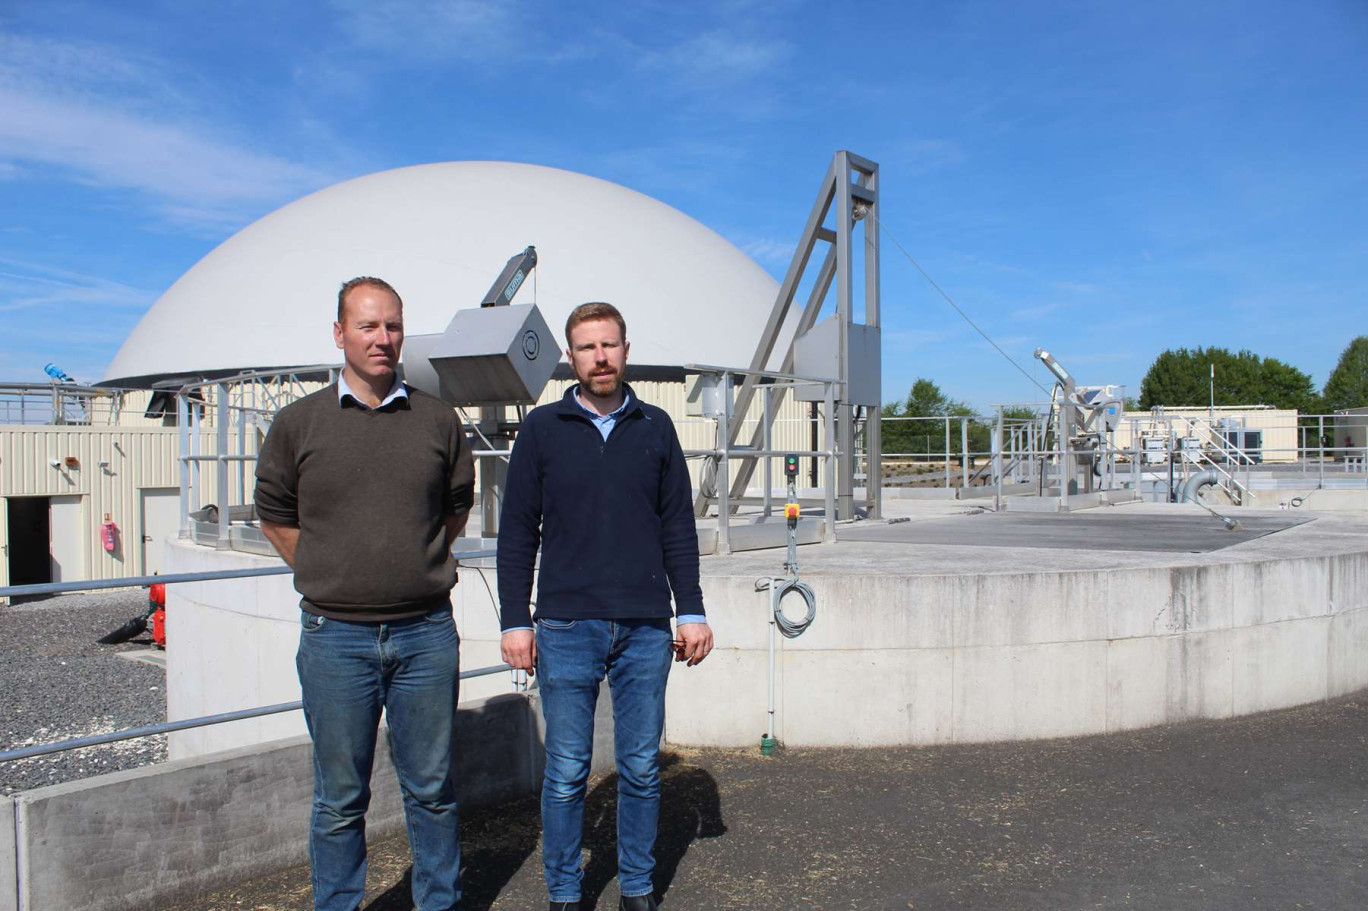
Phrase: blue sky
(1102, 179)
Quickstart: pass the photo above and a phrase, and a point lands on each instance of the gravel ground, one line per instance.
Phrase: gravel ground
(58, 684)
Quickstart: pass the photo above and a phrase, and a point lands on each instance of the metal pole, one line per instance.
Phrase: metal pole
(724, 469)
(947, 452)
(1065, 469)
(242, 439)
(997, 460)
(964, 453)
(196, 430)
(1211, 408)
(221, 467)
(830, 493)
(774, 606)
(769, 417)
(1320, 441)
(183, 445)
(1135, 457)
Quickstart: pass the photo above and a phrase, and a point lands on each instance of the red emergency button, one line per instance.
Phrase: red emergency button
(791, 510)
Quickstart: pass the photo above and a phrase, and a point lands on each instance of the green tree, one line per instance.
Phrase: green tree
(926, 400)
(1348, 383)
(1180, 377)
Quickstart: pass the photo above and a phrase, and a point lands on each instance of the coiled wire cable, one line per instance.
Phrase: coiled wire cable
(779, 589)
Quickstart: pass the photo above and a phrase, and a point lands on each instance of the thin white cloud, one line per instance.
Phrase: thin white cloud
(455, 30)
(769, 252)
(56, 120)
(1076, 287)
(1036, 312)
(922, 156)
(718, 59)
(27, 286)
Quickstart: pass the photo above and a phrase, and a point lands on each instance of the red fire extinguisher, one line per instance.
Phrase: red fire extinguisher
(109, 534)
(156, 594)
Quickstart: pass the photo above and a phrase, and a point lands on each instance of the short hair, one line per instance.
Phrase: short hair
(592, 311)
(363, 281)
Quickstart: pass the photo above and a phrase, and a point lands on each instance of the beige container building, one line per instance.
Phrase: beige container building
(1280, 434)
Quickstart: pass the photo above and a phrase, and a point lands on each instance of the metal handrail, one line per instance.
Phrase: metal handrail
(167, 727)
(52, 588)
(60, 588)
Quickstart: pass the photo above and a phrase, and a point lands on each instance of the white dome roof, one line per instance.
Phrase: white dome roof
(440, 233)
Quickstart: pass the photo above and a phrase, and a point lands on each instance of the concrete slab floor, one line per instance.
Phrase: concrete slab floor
(1107, 529)
(153, 656)
(859, 549)
(1268, 811)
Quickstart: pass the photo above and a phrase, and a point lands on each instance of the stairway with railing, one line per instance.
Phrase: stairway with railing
(1216, 453)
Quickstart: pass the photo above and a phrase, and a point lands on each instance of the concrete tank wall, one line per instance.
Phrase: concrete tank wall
(231, 645)
(147, 837)
(897, 656)
(926, 659)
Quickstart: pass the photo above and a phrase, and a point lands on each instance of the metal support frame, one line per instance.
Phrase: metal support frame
(854, 200)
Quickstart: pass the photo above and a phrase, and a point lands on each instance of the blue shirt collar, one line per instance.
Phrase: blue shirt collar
(594, 415)
(344, 392)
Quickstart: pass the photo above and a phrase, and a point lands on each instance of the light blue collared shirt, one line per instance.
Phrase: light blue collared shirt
(397, 391)
(605, 424)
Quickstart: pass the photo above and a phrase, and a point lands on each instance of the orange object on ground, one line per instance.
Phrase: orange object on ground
(156, 593)
(159, 627)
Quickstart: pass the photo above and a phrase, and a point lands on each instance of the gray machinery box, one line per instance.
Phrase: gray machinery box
(816, 353)
(486, 356)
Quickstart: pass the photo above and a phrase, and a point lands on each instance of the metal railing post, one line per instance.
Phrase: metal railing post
(221, 466)
(1065, 469)
(769, 445)
(242, 443)
(1320, 440)
(829, 503)
(724, 469)
(997, 460)
(947, 452)
(183, 445)
(964, 453)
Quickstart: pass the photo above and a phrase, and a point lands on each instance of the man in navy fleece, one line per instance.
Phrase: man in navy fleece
(598, 480)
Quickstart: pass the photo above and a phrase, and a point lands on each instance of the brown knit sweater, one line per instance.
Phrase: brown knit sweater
(370, 492)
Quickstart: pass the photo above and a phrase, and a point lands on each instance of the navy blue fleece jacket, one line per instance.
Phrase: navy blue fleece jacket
(614, 518)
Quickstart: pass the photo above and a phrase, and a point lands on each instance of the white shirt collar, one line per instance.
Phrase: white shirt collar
(397, 391)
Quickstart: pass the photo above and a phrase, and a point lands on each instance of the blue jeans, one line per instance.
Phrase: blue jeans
(573, 656)
(349, 672)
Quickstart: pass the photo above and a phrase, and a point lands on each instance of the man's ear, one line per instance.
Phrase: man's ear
(337, 334)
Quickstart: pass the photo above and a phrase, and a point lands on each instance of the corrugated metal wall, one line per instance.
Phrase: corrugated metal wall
(138, 458)
(1280, 433)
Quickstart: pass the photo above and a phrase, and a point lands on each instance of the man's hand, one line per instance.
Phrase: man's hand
(698, 641)
(519, 648)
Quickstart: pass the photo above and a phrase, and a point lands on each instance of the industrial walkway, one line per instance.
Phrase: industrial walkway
(1269, 811)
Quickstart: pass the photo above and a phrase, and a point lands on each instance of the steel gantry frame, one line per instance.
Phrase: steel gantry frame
(851, 188)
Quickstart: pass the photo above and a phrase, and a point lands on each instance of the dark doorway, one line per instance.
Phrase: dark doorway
(30, 549)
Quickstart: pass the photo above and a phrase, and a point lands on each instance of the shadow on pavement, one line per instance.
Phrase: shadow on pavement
(497, 843)
(690, 809)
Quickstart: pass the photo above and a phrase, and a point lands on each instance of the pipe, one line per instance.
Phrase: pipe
(1194, 484)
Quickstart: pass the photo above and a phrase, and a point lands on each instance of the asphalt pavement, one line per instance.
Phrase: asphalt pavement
(1263, 812)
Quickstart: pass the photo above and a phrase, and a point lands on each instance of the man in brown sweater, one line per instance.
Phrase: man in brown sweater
(362, 488)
